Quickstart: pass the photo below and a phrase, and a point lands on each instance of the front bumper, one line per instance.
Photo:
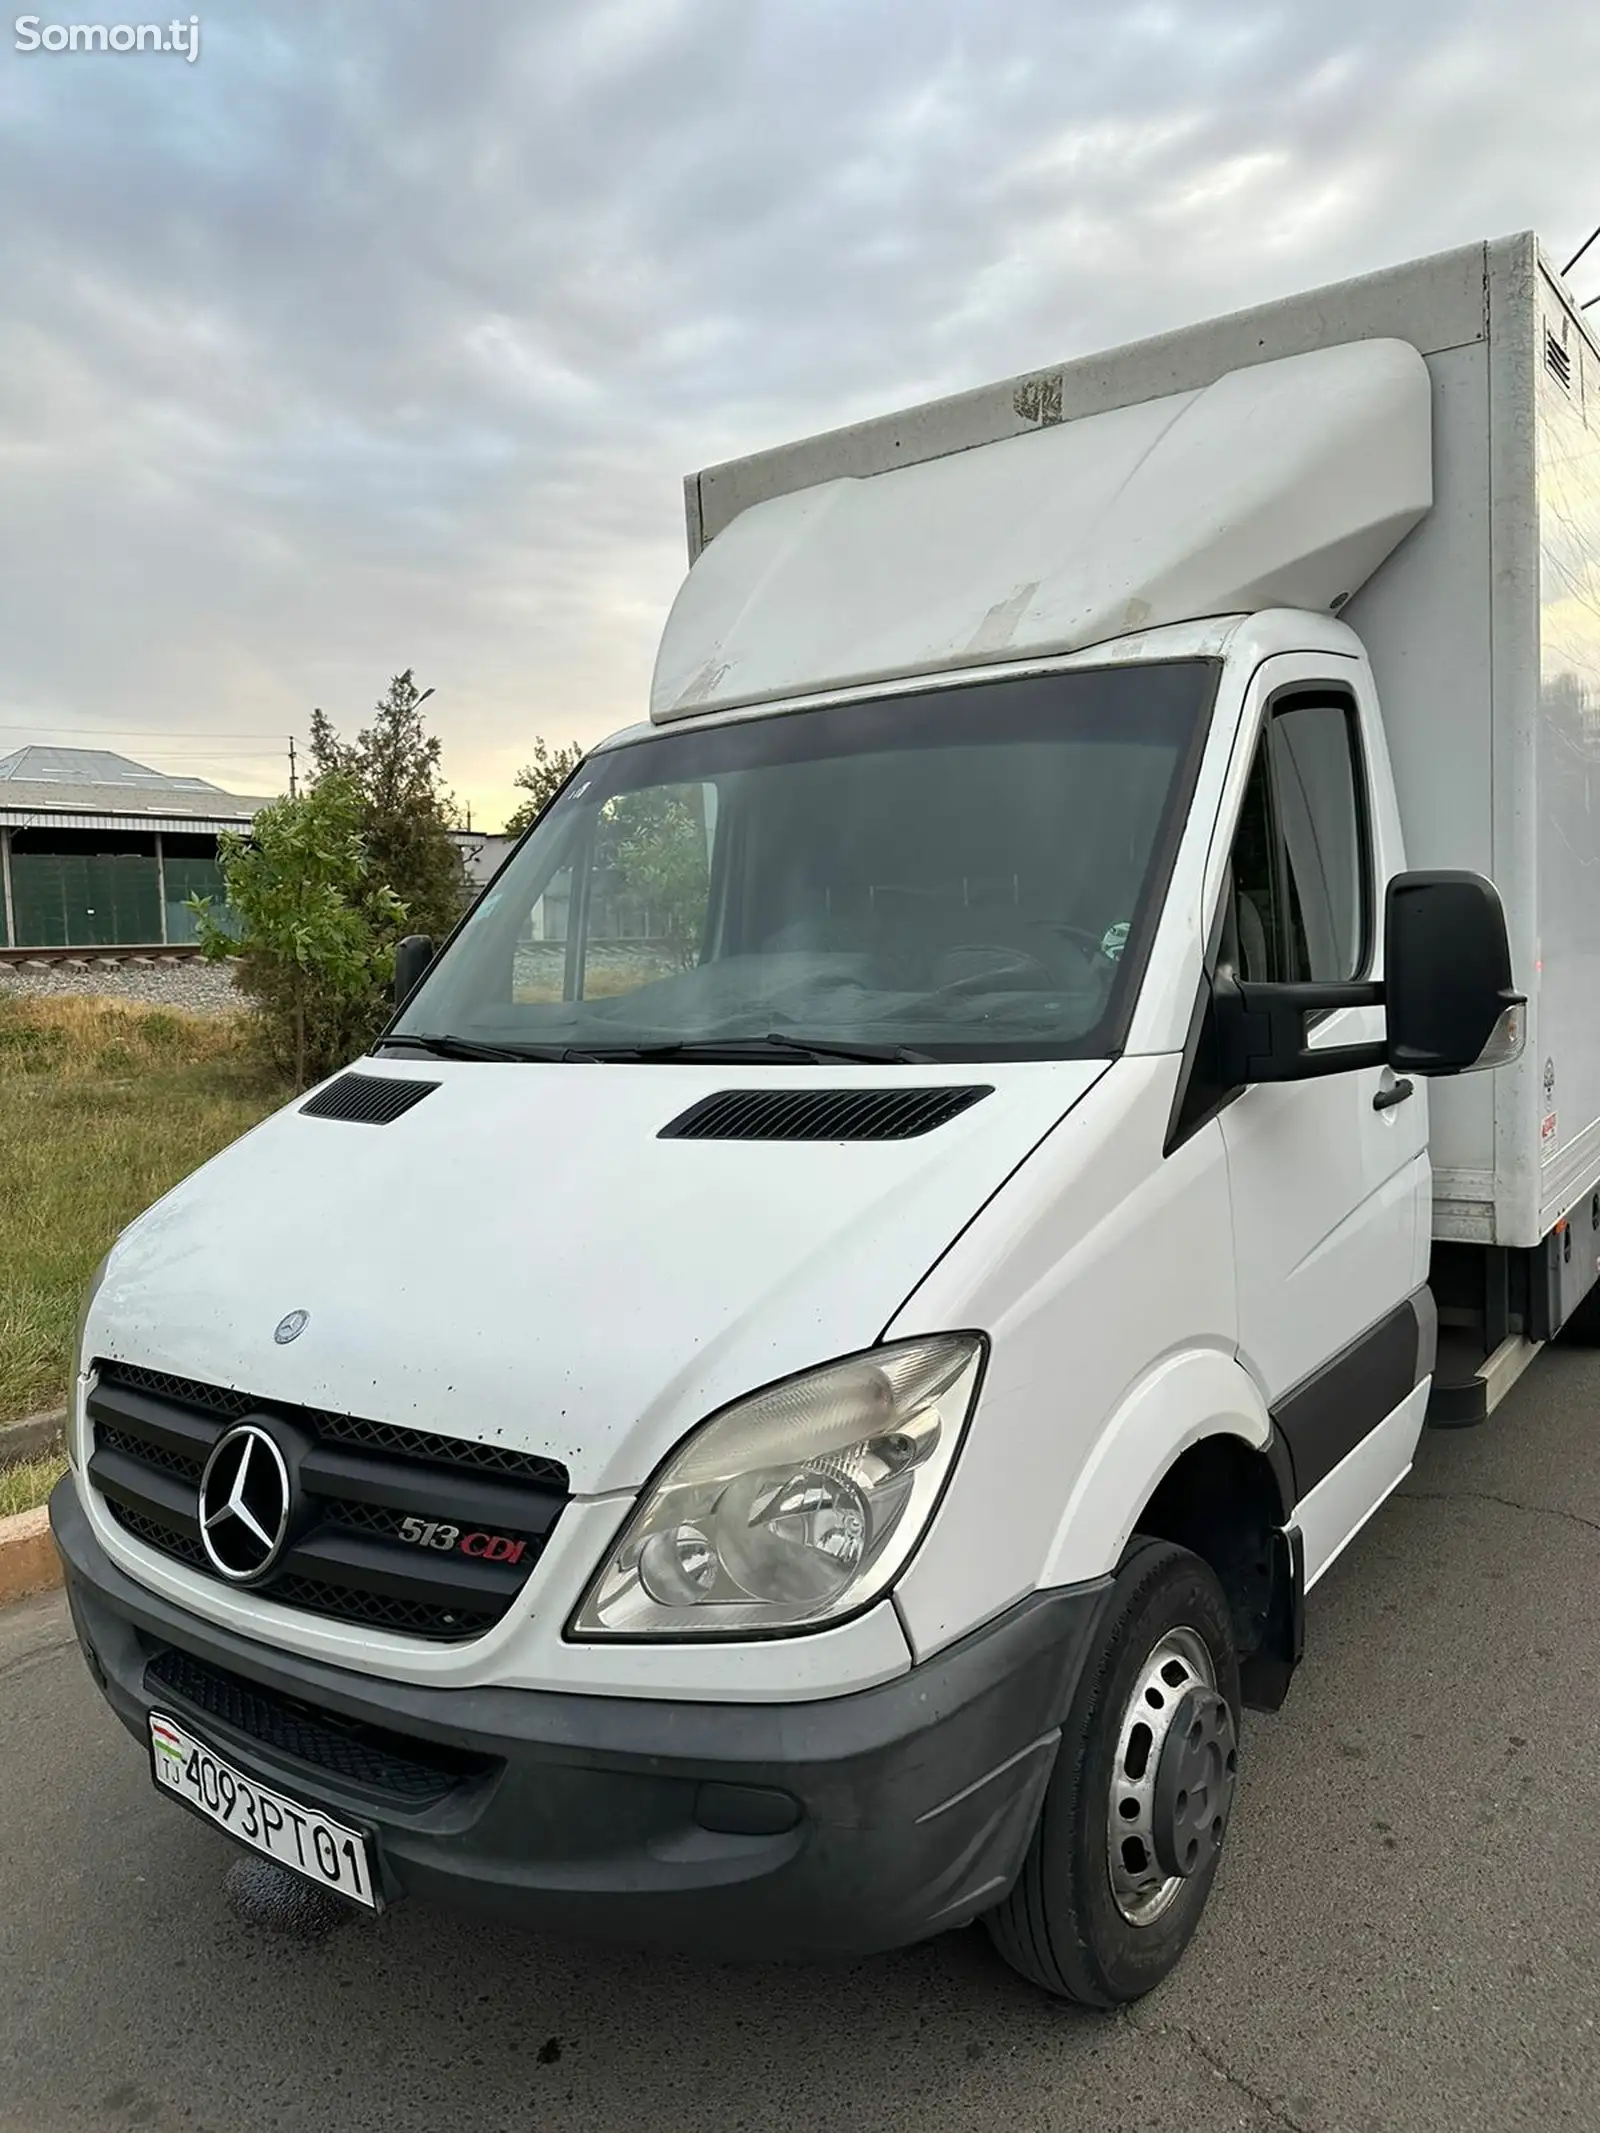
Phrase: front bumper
(802, 1830)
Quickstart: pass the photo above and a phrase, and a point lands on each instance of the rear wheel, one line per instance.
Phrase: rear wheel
(1134, 1818)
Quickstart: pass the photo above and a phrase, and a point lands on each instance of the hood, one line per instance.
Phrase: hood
(520, 1257)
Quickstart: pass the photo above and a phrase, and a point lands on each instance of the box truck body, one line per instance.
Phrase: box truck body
(789, 1403)
(1483, 630)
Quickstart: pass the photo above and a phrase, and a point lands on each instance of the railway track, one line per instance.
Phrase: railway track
(97, 958)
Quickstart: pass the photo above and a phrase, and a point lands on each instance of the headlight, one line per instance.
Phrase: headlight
(797, 1505)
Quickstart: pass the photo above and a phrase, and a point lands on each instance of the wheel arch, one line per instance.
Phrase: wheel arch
(1192, 1457)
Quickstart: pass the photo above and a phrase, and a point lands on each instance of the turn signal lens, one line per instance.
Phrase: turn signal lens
(1506, 1040)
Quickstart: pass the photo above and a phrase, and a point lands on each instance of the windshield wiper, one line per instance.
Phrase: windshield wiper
(710, 1050)
(465, 1048)
(731, 1050)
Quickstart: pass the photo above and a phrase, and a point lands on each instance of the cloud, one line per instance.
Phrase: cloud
(383, 335)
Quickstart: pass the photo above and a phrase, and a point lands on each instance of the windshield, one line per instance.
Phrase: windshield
(968, 872)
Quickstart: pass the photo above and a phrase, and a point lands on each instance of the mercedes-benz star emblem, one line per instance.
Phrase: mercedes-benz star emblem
(244, 1504)
(290, 1328)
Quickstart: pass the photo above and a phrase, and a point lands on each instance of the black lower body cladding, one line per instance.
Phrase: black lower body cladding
(783, 1831)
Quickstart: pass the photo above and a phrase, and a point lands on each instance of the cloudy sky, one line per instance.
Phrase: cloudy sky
(382, 334)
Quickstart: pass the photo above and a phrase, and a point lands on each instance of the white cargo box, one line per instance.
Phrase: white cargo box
(1483, 629)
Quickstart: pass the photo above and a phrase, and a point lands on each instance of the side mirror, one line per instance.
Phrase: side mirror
(1447, 976)
(1447, 991)
(411, 960)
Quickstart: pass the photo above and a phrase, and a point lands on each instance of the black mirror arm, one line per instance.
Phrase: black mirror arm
(1308, 999)
(1262, 1030)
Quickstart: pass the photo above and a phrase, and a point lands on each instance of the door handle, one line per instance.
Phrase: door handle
(1386, 1099)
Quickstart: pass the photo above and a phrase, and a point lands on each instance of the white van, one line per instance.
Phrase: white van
(790, 1402)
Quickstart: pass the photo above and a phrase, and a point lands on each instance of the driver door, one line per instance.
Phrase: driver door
(1329, 1178)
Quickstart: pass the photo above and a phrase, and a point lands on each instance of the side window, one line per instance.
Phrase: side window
(1301, 891)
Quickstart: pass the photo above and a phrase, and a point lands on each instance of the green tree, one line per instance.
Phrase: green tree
(407, 812)
(655, 844)
(541, 778)
(314, 935)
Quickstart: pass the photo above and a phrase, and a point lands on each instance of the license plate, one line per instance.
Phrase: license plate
(298, 1837)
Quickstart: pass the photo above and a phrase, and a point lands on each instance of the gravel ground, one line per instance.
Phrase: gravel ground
(194, 987)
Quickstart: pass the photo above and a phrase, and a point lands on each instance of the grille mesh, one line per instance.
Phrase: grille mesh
(395, 1437)
(419, 1444)
(363, 1517)
(367, 1099)
(414, 1618)
(214, 1399)
(155, 1535)
(415, 1772)
(190, 1465)
(820, 1114)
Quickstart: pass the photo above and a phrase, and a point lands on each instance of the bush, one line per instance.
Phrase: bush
(313, 933)
(324, 886)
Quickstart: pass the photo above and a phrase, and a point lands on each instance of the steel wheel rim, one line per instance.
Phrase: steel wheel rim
(1179, 1661)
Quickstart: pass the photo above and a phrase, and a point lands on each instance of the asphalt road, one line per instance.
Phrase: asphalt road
(1405, 1933)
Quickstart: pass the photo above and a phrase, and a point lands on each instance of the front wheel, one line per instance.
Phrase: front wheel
(1136, 1811)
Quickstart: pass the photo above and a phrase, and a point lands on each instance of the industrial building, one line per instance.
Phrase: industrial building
(97, 851)
(481, 855)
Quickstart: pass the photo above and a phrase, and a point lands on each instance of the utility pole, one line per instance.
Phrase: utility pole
(292, 785)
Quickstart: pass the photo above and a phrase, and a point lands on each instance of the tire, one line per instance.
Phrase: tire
(1064, 1925)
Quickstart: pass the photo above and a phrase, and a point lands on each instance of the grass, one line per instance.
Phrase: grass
(27, 1483)
(102, 1109)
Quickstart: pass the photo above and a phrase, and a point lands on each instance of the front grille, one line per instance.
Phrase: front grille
(355, 1485)
(419, 1773)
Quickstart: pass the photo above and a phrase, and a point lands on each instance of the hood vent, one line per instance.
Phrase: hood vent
(1558, 360)
(367, 1099)
(820, 1114)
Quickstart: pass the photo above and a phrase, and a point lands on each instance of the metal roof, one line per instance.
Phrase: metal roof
(76, 818)
(91, 788)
